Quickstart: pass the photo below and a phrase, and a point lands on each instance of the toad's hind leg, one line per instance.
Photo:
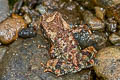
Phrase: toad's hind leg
(61, 66)
(54, 52)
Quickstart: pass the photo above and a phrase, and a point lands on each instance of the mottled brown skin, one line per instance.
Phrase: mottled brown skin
(65, 54)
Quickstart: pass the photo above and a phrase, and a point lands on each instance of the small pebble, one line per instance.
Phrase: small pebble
(100, 12)
(111, 25)
(27, 33)
(114, 39)
(41, 9)
(92, 21)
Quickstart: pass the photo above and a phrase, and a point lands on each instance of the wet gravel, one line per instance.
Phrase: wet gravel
(25, 56)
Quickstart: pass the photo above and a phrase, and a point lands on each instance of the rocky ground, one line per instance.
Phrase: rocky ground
(24, 48)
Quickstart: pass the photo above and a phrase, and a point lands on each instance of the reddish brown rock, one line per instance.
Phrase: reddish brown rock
(10, 27)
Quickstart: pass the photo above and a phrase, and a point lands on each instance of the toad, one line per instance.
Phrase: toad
(65, 53)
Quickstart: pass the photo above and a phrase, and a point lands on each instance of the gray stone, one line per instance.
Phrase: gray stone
(108, 65)
(96, 39)
(114, 39)
(41, 9)
(92, 21)
(111, 25)
(4, 9)
(2, 52)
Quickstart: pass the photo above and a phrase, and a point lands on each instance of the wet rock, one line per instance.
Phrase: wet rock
(2, 52)
(100, 39)
(118, 27)
(16, 63)
(27, 33)
(27, 18)
(114, 12)
(10, 27)
(69, 9)
(92, 21)
(15, 5)
(71, 12)
(108, 63)
(4, 9)
(87, 4)
(100, 12)
(111, 25)
(83, 75)
(96, 39)
(51, 4)
(118, 32)
(41, 9)
(32, 14)
(32, 3)
(107, 3)
(83, 38)
(114, 39)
